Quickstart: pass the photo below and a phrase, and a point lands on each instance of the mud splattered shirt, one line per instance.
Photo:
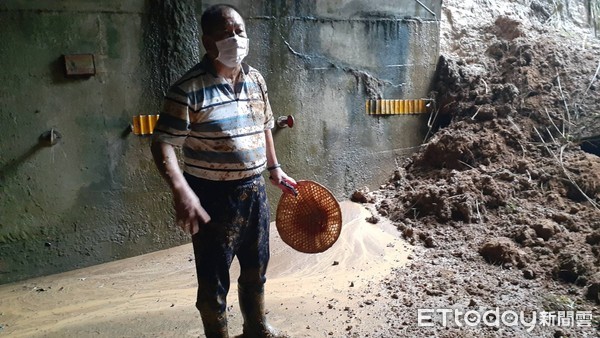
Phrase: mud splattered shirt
(220, 128)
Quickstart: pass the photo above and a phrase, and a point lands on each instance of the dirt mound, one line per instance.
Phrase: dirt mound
(503, 180)
(502, 251)
(507, 156)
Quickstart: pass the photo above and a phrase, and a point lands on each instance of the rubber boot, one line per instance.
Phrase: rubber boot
(252, 306)
(215, 324)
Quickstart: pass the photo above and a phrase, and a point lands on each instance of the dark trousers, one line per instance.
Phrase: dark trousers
(239, 226)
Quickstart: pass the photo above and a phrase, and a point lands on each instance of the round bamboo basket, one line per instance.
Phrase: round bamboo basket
(310, 222)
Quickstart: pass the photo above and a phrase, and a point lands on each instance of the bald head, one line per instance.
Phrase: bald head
(215, 18)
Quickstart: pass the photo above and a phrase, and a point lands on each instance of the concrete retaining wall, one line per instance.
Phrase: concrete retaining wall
(95, 196)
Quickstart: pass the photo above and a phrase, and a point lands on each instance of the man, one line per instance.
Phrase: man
(219, 113)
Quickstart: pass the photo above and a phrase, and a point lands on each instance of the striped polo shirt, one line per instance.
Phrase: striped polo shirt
(220, 128)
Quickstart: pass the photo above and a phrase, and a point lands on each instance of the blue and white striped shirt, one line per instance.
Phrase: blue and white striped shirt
(221, 130)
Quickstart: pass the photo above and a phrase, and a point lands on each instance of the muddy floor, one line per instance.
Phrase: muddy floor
(153, 295)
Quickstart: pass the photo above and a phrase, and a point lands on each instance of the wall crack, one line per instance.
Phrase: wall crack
(373, 86)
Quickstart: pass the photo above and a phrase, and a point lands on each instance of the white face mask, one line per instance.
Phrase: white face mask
(232, 50)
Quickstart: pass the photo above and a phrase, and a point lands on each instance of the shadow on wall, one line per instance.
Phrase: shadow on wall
(47, 139)
(57, 71)
(12, 166)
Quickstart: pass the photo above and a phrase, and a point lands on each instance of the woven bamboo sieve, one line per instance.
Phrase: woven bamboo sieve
(310, 222)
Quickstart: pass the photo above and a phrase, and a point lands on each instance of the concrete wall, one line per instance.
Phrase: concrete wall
(96, 196)
(322, 60)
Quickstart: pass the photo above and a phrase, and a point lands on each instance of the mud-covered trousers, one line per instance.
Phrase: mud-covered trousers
(239, 226)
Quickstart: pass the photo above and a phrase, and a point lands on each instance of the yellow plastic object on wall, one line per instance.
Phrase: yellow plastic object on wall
(144, 124)
(396, 107)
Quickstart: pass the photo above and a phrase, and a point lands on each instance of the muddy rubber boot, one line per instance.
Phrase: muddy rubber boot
(215, 324)
(252, 306)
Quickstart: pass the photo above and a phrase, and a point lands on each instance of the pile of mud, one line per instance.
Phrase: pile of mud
(501, 203)
(504, 176)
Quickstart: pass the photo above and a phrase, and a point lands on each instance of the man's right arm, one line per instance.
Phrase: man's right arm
(188, 211)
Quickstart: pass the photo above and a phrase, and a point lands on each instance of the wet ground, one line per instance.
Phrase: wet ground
(308, 295)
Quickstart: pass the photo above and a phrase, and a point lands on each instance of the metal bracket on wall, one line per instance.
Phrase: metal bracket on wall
(79, 65)
(50, 138)
(143, 124)
(396, 107)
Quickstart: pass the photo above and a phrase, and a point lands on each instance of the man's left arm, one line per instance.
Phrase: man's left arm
(276, 175)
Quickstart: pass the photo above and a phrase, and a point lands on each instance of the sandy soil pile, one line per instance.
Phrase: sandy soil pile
(501, 201)
(153, 295)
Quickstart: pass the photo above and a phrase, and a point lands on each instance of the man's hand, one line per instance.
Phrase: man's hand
(189, 214)
(287, 184)
(188, 211)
